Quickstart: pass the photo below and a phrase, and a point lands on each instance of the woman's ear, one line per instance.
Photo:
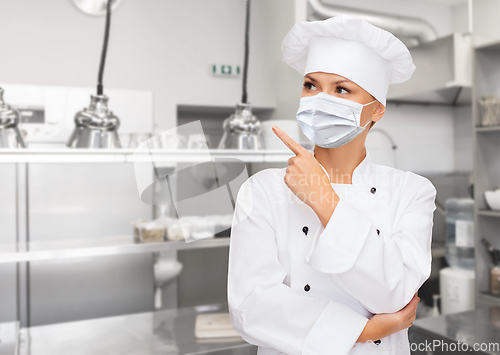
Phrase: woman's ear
(378, 112)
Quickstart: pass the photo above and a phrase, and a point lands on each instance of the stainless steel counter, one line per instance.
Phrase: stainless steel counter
(164, 332)
(478, 330)
(172, 332)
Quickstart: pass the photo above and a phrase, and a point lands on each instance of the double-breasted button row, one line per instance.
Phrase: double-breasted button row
(372, 190)
(377, 341)
(305, 229)
(378, 232)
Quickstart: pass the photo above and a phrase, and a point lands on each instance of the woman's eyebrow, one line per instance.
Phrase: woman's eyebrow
(311, 78)
(341, 81)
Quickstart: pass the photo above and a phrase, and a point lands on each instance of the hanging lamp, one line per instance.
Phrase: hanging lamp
(96, 125)
(10, 137)
(242, 128)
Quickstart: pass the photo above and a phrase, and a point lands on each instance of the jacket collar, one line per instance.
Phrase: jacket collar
(362, 173)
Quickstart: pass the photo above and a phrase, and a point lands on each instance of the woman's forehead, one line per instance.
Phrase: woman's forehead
(330, 78)
(326, 76)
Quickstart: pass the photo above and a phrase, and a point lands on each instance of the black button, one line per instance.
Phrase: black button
(307, 288)
(372, 190)
(377, 341)
(378, 232)
(305, 229)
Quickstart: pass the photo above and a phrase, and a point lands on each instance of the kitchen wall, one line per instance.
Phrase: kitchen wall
(485, 18)
(166, 47)
(436, 13)
(463, 138)
(424, 136)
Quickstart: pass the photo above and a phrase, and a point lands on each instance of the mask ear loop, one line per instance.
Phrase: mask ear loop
(353, 115)
(360, 116)
(369, 103)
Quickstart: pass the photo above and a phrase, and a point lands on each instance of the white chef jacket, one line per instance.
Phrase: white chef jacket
(296, 287)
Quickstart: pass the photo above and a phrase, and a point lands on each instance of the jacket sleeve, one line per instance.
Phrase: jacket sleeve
(391, 267)
(265, 311)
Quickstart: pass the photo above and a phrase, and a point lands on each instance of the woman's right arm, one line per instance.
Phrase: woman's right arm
(385, 324)
(268, 313)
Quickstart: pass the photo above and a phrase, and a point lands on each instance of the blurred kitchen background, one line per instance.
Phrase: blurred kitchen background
(88, 266)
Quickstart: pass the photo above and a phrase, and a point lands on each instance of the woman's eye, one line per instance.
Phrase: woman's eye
(342, 90)
(309, 86)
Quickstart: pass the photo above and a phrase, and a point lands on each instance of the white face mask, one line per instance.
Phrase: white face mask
(329, 121)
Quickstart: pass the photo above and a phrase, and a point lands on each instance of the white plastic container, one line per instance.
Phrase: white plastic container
(460, 233)
(457, 290)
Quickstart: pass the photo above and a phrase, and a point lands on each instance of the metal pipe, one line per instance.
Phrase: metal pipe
(471, 16)
(400, 26)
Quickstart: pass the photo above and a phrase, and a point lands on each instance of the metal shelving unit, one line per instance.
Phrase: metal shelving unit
(25, 248)
(64, 249)
(486, 73)
(26, 251)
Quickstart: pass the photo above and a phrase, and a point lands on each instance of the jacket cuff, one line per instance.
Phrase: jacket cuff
(335, 331)
(335, 249)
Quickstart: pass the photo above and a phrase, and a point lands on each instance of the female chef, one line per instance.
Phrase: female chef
(327, 255)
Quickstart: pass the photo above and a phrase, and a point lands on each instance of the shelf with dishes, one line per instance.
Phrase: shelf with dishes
(29, 155)
(488, 213)
(488, 115)
(161, 234)
(481, 129)
(486, 125)
(492, 203)
(491, 296)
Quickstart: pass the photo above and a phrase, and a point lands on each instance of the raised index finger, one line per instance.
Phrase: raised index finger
(289, 142)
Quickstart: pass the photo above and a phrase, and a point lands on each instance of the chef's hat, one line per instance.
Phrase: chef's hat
(350, 47)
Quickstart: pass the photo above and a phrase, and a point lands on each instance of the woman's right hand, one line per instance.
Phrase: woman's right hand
(385, 324)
